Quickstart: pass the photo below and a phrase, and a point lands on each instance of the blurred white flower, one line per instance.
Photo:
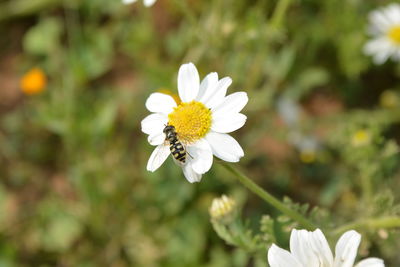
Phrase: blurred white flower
(146, 2)
(289, 110)
(310, 249)
(307, 145)
(385, 30)
(201, 120)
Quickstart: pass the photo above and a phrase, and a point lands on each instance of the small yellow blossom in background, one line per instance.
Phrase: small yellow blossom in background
(170, 93)
(307, 156)
(389, 99)
(222, 207)
(361, 138)
(33, 82)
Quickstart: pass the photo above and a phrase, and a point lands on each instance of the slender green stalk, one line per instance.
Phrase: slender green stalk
(279, 12)
(373, 223)
(253, 187)
(16, 8)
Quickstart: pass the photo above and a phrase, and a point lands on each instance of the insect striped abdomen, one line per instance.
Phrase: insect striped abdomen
(178, 151)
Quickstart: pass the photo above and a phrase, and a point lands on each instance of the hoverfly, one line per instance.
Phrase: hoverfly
(177, 149)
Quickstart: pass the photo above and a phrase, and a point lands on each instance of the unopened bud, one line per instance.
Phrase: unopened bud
(222, 207)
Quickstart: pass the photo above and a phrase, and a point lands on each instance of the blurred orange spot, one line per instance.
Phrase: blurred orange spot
(168, 92)
(33, 82)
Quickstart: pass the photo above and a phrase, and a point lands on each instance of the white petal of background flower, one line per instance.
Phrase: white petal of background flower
(217, 94)
(207, 84)
(278, 257)
(190, 174)
(228, 123)
(162, 103)
(159, 155)
(225, 147)
(371, 262)
(379, 22)
(202, 156)
(233, 103)
(393, 13)
(346, 249)
(149, 2)
(188, 82)
(154, 123)
(127, 2)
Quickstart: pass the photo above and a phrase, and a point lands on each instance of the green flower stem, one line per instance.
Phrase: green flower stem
(269, 198)
(373, 223)
(279, 12)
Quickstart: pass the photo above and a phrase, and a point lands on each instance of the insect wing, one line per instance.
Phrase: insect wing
(159, 155)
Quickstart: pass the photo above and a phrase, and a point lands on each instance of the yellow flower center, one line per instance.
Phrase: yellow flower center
(192, 121)
(394, 34)
(360, 138)
(307, 156)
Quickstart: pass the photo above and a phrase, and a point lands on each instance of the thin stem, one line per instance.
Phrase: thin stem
(269, 198)
(279, 11)
(385, 222)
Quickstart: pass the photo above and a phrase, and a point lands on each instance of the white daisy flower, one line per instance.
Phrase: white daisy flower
(310, 249)
(201, 122)
(385, 29)
(146, 2)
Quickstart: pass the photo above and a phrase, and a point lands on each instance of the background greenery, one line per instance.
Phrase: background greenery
(74, 190)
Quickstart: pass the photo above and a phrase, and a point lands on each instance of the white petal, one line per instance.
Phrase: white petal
(224, 146)
(126, 2)
(207, 84)
(201, 156)
(379, 22)
(158, 157)
(346, 249)
(190, 174)
(233, 103)
(161, 103)
(215, 96)
(154, 123)
(301, 249)
(380, 49)
(278, 257)
(321, 248)
(149, 2)
(188, 82)
(392, 13)
(371, 262)
(228, 123)
(156, 138)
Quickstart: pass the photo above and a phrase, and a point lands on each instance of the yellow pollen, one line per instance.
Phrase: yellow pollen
(394, 34)
(192, 121)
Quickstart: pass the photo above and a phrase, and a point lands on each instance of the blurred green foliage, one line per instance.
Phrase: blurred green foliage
(74, 190)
